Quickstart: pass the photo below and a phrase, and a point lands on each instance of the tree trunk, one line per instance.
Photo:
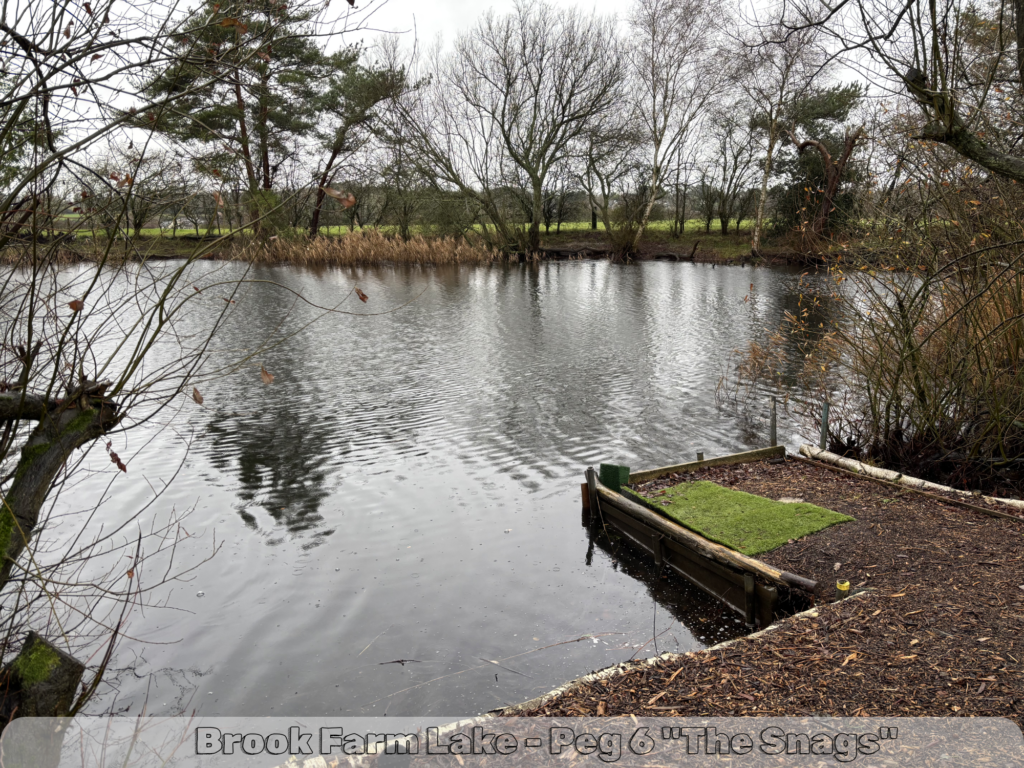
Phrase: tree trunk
(533, 237)
(62, 428)
(325, 180)
(724, 212)
(264, 133)
(682, 214)
(41, 681)
(593, 217)
(833, 175)
(250, 171)
(648, 206)
(1018, 23)
(755, 241)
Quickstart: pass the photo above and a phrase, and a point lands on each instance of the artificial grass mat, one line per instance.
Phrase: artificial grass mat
(741, 521)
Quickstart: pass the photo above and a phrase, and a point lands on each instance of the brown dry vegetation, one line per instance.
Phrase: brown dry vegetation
(367, 248)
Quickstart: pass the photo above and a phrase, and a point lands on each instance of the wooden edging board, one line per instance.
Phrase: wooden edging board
(737, 588)
(733, 458)
(701, 545)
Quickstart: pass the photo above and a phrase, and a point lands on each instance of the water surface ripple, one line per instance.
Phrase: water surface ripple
(408, 487)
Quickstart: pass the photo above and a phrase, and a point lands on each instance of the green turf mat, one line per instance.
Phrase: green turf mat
(741, 521)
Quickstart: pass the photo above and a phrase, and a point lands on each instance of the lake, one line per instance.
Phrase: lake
(398, 513)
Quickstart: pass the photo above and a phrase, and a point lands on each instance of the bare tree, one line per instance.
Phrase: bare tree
(734, 161)
(774, 70)
(88, 353)
(955, 59)
(609, 159)
(674, 75)
(515, 93)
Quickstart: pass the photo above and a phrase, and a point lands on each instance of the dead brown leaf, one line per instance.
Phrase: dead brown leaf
(115, 459)
(347, 199)
(266, 376)
(230, 22)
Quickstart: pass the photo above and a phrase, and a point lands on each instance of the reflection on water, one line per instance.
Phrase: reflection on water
(706, 619)
(408, 487)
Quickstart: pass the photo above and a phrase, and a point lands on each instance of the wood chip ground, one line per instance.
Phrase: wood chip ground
(941, 632)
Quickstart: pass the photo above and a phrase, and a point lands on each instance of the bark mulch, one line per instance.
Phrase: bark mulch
(940, 631)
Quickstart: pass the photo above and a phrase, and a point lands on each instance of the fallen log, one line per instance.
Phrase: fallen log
(899, 478)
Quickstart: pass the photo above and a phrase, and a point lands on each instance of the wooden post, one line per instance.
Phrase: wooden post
(772, 431)
(823, 444)
(592, 491)
(750, 599)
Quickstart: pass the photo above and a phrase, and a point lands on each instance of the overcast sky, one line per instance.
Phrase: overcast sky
(449, 17)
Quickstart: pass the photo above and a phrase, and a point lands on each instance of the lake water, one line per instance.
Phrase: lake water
(408, 488)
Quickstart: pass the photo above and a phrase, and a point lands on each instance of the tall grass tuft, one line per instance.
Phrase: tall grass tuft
(366, 248)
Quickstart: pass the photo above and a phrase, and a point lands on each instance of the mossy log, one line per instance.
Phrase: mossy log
(41, 681)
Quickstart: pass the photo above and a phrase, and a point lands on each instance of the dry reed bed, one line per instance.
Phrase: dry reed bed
(363, 249)
(24, 256)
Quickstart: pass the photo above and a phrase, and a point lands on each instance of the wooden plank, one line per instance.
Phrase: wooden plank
(749, 599)
(594, 509)
(705, 547)
(721, 582)
(708, 581)
(719, 461)
(767, 598)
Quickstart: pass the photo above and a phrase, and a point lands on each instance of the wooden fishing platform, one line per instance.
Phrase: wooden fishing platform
(746, 585)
